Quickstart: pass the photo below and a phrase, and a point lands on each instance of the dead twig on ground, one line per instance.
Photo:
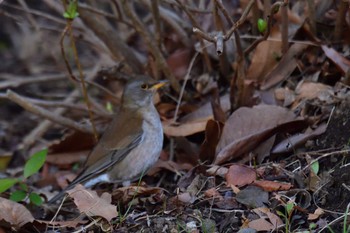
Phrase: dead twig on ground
(22, 101)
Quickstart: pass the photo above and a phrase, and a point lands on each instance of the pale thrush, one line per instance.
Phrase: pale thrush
(132, 142)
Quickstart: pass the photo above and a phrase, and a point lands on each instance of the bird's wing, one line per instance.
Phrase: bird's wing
(113, 145)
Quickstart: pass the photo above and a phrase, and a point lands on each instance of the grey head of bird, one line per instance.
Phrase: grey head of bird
(139, 91)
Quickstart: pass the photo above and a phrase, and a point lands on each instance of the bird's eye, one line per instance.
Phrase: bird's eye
(144, 86)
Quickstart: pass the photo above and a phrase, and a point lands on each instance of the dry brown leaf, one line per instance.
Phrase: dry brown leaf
(213, 193)
(196, 121)
(216, 170)
(264, 57)
(284, 68)
(184, 129)
(72, 223)
(318, 212)
(340, 61)
(271, 186)
(252, 197)
(261, 225)
(213, 132)
(14, 213)
(91, 204)
(240, 175)
(170, 166)
(67, 158)
(178, 62)
(289, 144)
(186, 198)
(274, 219)
(311, 90)
(246, 128)
(126, 194)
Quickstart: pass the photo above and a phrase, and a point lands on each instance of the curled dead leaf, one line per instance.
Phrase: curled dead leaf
(14, 213)
(91, 204)
(247, 128)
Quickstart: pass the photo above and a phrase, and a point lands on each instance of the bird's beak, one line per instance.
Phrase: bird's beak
(158, 85)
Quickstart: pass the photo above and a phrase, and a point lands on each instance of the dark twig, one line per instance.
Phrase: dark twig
(340, 21)
(16, 81)
(268, 30)
(312, 16)
(60, 104)
(22, 101)
(45, 124)
(196, 24)
(141, 28)
(284, 30)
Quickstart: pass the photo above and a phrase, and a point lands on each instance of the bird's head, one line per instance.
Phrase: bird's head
(139, 92)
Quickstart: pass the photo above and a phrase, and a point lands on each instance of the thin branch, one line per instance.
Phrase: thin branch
(273, 10)
(202, 44)
(184, 85)
(16, 81)
(22, 101)
(38, 131)
(156, 21)
(97, 11)
(60, 104)
(284, 30)
(141, 28)
(188, 8)
(36, 12)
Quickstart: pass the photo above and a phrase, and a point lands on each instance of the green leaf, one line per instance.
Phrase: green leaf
(34, 164)
(23, 186)
(289, 207)
(280, 213)
(7, 183)
(66, 15)
(109, 107)
(18, 195)
(262, 25)
(315, 167)
(71, 12)
(35, 199)
(312, 225)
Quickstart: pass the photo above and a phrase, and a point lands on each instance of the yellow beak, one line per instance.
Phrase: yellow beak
(158, 85)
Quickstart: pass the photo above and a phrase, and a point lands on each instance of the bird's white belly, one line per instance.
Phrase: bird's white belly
(142, 157)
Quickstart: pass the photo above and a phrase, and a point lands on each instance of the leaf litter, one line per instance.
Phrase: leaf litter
(231, 167)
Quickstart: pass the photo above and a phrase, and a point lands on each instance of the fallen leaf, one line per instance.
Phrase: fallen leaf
(91, 204)
(317, 213)
(186, 198)
(213, 193)
(264, 57)
(213, 132)
(170, 166)
(196, 121)
(253, 197)
(273, 218)
(291, 143)
(311, 90)
(178, 62)
(261, 225)
(14, 213)
(340, 61)
(271, 186)
(284, 68)
(126, 194)
(184, 129)
(240, 175)
(246, 128)
(216, 170)
(72, 223)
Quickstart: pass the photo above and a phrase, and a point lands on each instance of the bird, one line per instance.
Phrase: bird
(131, 143)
